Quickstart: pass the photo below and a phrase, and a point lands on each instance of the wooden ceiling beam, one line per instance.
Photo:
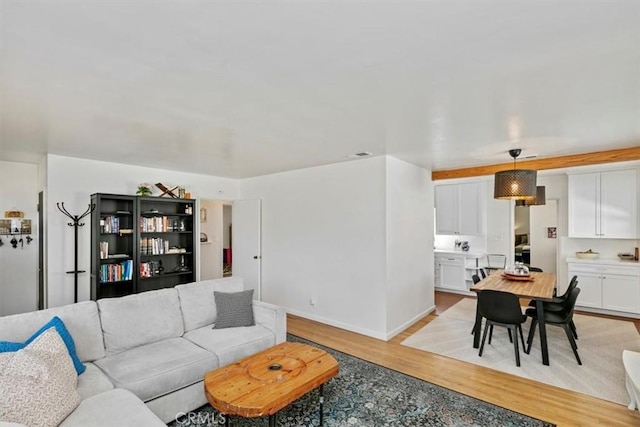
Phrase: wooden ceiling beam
(598, 157)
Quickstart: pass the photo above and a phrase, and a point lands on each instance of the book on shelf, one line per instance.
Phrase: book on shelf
(126, 231)
(116, 272)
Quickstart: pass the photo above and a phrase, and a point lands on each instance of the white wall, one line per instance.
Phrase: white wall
(410, 288)
(72, 181)
(323, 238)
(19, 267)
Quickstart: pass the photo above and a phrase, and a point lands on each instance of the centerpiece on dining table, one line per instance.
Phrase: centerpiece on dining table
(517, 271)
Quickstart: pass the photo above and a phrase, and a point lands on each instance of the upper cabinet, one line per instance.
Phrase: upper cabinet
(604, 205)
(460, 209)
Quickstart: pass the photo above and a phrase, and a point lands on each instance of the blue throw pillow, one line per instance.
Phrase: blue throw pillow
(8, 346)
(56, 322)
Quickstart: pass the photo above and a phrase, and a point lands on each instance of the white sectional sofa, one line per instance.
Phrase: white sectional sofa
(146, 354)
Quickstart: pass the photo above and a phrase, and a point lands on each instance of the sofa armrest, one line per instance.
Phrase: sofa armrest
(271, 317)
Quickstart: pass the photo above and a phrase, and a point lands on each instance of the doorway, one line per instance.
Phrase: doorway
(535, 235)
(215, 239)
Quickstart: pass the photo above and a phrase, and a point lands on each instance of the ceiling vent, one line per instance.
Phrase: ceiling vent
(360, 154)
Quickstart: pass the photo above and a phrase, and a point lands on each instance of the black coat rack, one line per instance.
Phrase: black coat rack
(75, 224)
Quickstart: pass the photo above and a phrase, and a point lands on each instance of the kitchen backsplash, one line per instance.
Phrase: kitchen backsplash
(608, 248)
(447, 243)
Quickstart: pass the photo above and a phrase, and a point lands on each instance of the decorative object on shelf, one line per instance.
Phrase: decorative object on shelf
(166, 191)
(515, 184)
(75, 224)
(539, 200)
(203, 214)
(13, 214)
(589, 254)
(204, 238)
(626, 256)
(145, 189)
(465, 246)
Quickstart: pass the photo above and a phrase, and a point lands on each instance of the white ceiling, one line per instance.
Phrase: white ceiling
(246, 88)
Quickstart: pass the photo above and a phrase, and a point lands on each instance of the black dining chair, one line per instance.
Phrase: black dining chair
(502, 309)
(535, 270)
(483, 273)
(557, 304)
(561, 318)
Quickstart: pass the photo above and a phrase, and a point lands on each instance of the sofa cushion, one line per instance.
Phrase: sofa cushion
(81, 320)
(198, 303)
(41, 381)
(234, 309)
(140, 319)
(93, 381)
(158, 368)
(233, 343)
(116, 407)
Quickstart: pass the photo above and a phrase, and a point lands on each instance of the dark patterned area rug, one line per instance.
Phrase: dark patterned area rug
(365, 394)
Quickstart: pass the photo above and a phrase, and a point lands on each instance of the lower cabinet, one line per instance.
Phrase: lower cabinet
(453, 271)
(607, 287)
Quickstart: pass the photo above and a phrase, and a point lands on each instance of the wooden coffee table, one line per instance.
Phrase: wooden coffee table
(266, 382)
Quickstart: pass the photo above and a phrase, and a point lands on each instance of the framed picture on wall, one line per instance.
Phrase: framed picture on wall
(552, 233)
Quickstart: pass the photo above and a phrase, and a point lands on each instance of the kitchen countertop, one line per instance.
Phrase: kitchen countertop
(607, 261)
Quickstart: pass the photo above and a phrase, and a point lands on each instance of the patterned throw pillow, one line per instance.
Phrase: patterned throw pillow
(234, 309)
(42, 382)
(57, 323)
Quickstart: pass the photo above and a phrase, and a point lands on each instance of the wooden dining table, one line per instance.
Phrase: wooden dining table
(539, 288)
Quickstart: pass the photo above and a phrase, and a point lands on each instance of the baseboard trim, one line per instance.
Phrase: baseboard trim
(359, 330)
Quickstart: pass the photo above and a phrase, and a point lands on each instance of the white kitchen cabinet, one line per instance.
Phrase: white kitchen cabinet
(607, 286)
(460, 209)
(453, 270)
(604, 205)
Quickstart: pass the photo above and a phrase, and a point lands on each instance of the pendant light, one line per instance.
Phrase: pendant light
(515, 184)
(540, 199)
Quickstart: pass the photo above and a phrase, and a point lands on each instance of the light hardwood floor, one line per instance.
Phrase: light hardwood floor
(542, 401)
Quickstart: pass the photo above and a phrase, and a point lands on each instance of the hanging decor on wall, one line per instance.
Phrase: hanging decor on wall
(75, 223)
(515, 184)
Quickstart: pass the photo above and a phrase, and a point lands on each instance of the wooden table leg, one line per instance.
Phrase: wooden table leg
(543, 332)
(476, 328)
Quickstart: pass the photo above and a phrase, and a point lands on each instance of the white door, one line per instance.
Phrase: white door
(246, 220)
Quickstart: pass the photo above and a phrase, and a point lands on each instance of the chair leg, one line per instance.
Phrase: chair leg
(573, 329)
(484, 336)
(574, 347)
(532, 332)
(510, 337)
(515, 345)
(490, 334)
(521, 337)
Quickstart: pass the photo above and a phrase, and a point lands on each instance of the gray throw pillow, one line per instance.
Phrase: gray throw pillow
(234, 309)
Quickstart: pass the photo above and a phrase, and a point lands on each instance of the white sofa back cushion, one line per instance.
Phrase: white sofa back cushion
(197, 301)
(140, 319)
(81, 319)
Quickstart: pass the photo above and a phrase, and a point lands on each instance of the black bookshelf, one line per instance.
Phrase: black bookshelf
(140, 244)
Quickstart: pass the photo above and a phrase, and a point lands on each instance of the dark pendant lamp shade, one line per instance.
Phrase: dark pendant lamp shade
(540, 199)
(515, 184)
